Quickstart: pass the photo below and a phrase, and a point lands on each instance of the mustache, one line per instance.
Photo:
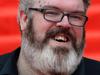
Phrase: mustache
(59, 30)
(53, 32)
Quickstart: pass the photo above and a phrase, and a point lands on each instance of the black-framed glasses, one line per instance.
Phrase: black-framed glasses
(56, 15)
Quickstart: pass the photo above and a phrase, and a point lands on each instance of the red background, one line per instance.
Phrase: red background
(10, 33)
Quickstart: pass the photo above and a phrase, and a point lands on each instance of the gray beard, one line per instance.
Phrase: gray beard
(50, 62)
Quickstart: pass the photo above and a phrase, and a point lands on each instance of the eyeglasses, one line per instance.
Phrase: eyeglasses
(56, 15)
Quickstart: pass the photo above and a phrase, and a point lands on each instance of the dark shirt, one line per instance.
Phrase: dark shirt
(8, 65)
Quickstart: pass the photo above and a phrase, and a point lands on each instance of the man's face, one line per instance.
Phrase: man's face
(54, 47)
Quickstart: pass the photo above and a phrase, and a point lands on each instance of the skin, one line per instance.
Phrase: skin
(53, 53)
(65, 5)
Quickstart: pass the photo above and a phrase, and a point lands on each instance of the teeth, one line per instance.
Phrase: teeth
(60, 38)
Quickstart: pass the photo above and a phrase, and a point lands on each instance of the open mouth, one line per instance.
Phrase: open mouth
(61, 38)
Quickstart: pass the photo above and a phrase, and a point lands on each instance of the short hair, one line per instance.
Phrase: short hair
(24, 4)
(86, 3)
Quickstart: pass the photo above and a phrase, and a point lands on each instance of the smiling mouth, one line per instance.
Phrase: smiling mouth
(61, 38)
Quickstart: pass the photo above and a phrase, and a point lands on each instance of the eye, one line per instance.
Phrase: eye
(52, 12)
(76, 17)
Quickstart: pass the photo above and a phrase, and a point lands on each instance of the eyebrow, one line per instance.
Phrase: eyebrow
(54, 7)
(79, 12)
(51, 7)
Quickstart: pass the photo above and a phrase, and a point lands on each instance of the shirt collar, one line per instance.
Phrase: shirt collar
(10, 67)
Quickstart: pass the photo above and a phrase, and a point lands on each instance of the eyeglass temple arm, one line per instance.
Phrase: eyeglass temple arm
(37, 9)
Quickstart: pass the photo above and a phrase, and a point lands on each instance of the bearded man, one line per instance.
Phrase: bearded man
(53, 38)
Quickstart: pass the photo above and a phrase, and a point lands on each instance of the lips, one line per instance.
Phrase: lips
(61, 38)
(60, 35)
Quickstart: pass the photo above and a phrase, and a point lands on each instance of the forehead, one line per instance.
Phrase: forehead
(68, 5)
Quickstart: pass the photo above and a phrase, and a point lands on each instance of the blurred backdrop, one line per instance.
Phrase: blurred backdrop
(10, 37)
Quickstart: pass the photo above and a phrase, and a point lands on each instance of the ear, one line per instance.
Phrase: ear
(23, 20)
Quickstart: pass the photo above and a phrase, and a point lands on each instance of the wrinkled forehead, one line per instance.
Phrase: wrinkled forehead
(62, 4)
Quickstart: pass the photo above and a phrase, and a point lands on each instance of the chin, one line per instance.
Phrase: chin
(52, 59)
(55, 60)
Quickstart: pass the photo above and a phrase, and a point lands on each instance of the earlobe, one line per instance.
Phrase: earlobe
(23, 20)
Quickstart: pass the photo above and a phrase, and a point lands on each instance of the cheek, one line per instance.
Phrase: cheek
(41, 26)
(79, 34)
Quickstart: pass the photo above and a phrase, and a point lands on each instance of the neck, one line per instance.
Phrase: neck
(24, 68)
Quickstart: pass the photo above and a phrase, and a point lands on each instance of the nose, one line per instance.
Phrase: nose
(64, 22)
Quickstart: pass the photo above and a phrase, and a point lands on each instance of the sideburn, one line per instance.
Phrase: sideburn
(81, 47)
(29, 33)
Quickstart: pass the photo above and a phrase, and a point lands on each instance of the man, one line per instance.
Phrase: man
(53, 37)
